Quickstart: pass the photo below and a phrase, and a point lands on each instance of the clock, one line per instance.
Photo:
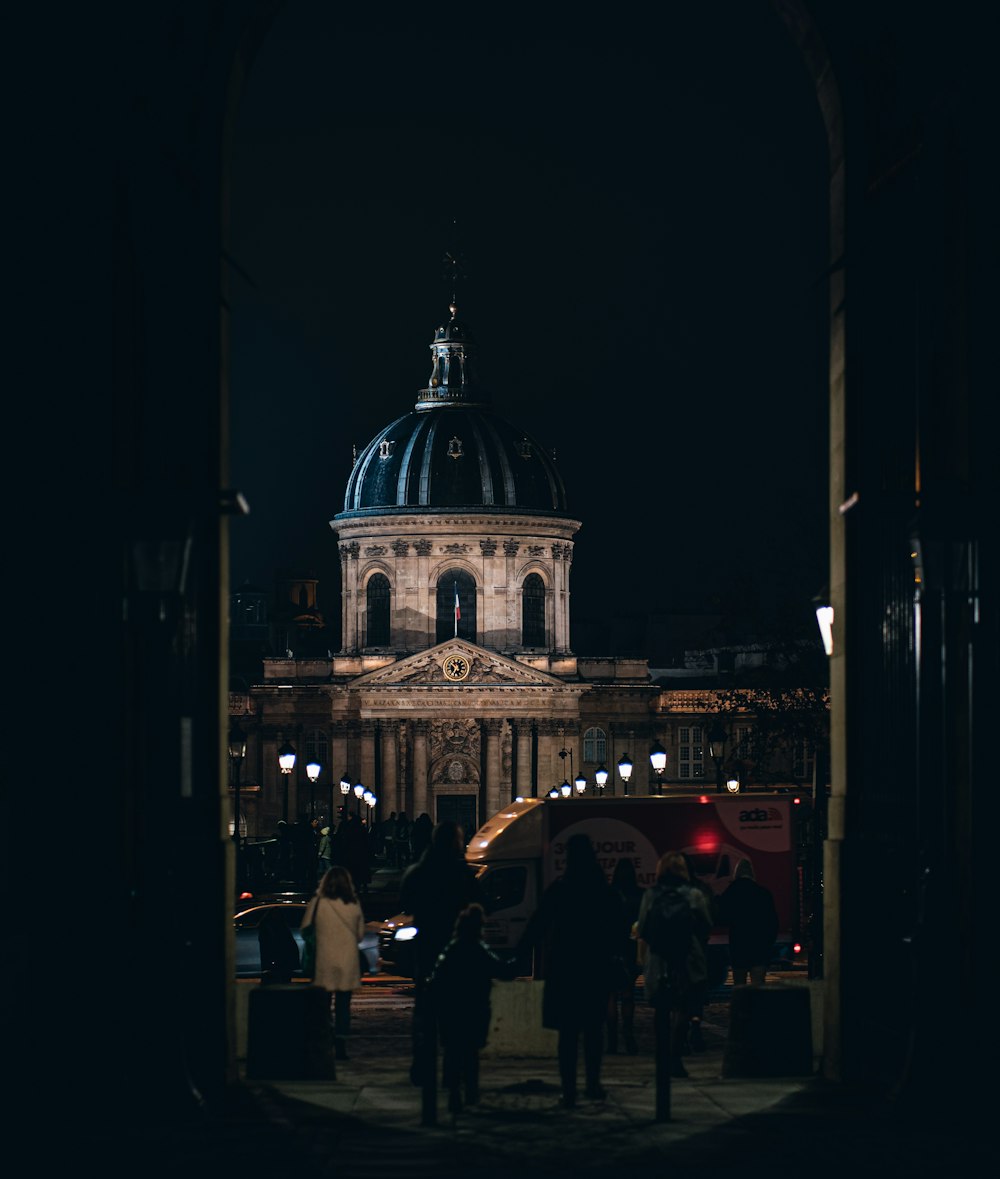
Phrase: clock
(456, 667)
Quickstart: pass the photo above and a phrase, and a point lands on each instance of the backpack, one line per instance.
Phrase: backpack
(669, 924)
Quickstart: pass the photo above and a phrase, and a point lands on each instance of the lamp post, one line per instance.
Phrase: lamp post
(625, 771)
(312, 773)
(359, 793)
(601, 778)
(237, 752)
(658, 760)
(286, 763)
(554, 792)
(345, 788)
(565, 789)
(733, 782)
(580, 782)
(564, 753)
(717, 738)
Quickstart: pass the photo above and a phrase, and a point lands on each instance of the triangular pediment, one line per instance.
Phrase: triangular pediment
(446, 664)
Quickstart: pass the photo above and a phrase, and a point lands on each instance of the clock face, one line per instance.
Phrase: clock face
(456, 667)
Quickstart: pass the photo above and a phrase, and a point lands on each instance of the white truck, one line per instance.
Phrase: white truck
(521, 849)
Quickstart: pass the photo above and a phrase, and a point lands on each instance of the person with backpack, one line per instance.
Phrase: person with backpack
(674, 919)
(747, 908)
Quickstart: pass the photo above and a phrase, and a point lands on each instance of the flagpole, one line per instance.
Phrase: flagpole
(455, 584)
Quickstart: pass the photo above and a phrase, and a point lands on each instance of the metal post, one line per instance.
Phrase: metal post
(662, 1020)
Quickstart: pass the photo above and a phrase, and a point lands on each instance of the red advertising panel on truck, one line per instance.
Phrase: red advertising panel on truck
(715, 831)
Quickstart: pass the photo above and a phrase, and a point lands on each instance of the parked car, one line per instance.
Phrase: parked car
(246, 925)
(396, 944)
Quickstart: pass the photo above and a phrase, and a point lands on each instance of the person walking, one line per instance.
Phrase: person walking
(420, 834)
(356, 852)
(694, 1039)
(460, 987)
(433, 891)
(340, 926)
(325, 852)
(747, 908)
(279, 955)
(629, 890)
(673, 919)
(401, 840)
(577, 930)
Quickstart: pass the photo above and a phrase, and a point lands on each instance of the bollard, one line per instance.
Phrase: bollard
(662, 1019)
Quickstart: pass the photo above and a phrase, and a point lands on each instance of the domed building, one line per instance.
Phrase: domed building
(456, 688)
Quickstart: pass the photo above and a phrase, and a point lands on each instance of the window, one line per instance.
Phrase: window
(533, 611)
(743, 742)
(451, 584)
(377, 612)
(317, 748)
(690, 752)
(595, 746)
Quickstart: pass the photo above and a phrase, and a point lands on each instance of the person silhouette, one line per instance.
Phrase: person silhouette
(460, 987)
(747, 908)
(577, 928)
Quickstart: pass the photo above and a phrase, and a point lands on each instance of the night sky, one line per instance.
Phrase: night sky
(643, 235)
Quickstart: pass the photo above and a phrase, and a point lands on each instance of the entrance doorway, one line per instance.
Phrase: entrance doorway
(462, 809)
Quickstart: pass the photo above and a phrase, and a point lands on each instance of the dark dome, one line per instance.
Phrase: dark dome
(453, 457)
(452, 452)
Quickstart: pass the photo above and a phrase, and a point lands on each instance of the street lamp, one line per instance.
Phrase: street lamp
(237, 752)
(312, 773)
(601, 778)
(733, 782)
(658, 760)
(625, 770)
(717, 738)
(359, 793)
(286, 762)
(580, 782)
(554, 792)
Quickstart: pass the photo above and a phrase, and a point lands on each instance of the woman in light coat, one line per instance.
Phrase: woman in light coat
(340, 926)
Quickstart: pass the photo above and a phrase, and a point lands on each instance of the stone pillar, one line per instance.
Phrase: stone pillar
(422, 800)
(366, 759)
(349, 596)
(550, 771)
(522, 760)
(490, 793)
(389, 794)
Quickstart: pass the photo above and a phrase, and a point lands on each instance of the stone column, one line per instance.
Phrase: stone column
(389, 795)
(349, 596)
(422, 800)
(522, 759)
(366, 760)
(550, 771)
(490, 794)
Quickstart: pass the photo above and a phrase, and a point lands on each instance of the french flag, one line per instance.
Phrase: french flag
(458, 612)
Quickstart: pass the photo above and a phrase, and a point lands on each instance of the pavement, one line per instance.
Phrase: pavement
(369, 1120)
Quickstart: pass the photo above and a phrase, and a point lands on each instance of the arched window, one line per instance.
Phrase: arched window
(456, 586)
(377, 614)
(533, 611)
(595, 746)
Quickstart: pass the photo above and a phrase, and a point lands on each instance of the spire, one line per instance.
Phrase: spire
(453, 378)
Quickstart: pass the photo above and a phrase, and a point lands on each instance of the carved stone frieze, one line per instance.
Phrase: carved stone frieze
(455, 548)
(449, 737)
(423, 548)
(510, 547)
(375, 550)
(400, 547)
(489, 547)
